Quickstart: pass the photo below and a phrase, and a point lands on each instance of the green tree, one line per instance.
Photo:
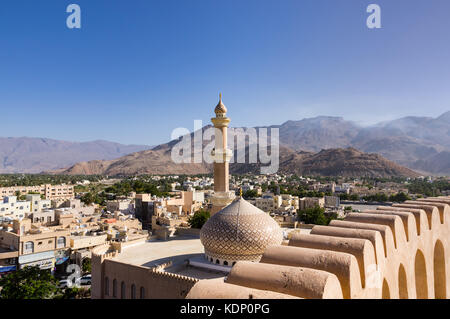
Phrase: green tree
(344, 196)
(86, 266)
(87, 198)
(251, 193)
(427, 188)
(199, 219)
(29, 283)
(399, 197)
(379, 197)
(315, 215)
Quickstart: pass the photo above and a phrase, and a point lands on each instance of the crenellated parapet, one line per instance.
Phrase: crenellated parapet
(163, 274)
(402, 251)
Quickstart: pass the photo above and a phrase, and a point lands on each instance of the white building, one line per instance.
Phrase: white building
(14, 209)
(266, 204)
(125, 206)
(38, 204)
(311, 202)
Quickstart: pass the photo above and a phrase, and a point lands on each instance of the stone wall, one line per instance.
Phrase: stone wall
(394, 252)
(153, 283)
(183, 231)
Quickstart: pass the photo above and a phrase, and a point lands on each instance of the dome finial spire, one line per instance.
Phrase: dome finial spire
(220, 108)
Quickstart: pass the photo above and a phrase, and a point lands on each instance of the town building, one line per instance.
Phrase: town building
(153, 211)
(38, 204)
(332, 201)
(14, 209)
(125, 206)
(266, 203)
(52, 192)
(35, 245)
(311, 202)
(52, 237)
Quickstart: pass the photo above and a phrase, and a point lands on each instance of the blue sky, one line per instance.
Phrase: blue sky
(138, 69)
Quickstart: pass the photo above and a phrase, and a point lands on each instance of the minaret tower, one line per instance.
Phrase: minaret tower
(221, 154)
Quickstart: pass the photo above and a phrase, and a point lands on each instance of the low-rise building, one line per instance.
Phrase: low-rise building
(332, 201)
(311, 202)
(144, 209)
(38, 204)
(265, 203)
(14, 209)
(44, 217)
(125, 206)
(52, 192)
(87, 242)
(39, 246)
(50, 238)
(185, 203)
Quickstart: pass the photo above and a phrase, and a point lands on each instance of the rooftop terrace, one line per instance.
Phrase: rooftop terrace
(155, 252)
(178, 250)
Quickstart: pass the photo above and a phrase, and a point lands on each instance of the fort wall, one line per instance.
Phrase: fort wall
(398, 252)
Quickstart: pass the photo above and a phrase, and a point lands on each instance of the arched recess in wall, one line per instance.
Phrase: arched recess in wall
(133, 291)
(386, 293)
(420, 273)
(106, 286)
(440, 281)
(123, 290)
(402, 283)
(114, 288)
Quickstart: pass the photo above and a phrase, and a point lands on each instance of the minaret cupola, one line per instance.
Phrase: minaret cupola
(221, 109)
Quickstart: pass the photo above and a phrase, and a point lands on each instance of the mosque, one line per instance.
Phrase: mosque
(236, 231)
(399, 251)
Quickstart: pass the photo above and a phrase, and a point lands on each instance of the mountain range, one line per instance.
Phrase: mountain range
(322, 145)
(330, 162)
(34, 155)
(420, 143)
(347, 162)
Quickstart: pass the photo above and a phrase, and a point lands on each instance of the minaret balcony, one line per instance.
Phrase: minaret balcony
(221, 155)
(220, 122)
(222, 198)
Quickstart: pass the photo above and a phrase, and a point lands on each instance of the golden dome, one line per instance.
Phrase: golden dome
(240, 231)
(220, 108)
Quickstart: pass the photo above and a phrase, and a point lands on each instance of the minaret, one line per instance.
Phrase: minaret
(221, 154)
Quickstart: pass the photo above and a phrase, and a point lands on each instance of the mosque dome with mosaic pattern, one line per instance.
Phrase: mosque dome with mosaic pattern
(240, 231)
